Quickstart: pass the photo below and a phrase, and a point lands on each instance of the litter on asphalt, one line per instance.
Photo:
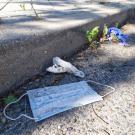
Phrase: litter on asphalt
(61, 66)
(48, 101)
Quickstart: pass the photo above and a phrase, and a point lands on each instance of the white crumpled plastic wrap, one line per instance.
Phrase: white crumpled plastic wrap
(61, 66)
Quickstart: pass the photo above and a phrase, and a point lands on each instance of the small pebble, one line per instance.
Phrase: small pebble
(59, 127)
(69, 128)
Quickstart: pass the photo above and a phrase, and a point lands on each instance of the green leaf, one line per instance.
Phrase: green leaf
(9, 99)
(23, 6)
(117, 25)
(92, 34)
(105, 30)
(95, 30)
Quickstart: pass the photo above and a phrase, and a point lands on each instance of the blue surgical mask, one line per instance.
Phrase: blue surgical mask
(48, 101)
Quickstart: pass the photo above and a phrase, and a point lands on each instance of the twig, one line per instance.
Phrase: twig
(5, 4)
(107, 132)
(98, 115)
(31, 2)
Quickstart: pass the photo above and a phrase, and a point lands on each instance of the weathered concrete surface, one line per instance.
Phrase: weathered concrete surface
(27, 46)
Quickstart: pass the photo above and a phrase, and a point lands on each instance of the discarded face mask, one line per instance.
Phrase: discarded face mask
(61, 66)
(48, 101)
(118, 33)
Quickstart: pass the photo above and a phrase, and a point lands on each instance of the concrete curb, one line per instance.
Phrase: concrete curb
(22, 58)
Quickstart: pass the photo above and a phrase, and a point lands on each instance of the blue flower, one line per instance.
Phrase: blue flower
(118, 33)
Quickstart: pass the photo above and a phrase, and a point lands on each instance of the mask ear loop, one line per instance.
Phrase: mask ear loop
(22, 115)
(113, 89)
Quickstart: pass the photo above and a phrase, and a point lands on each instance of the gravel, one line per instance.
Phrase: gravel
(115, 115)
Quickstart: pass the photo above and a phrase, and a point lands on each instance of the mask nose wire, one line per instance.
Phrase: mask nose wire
(22, 115)
(113, 89)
